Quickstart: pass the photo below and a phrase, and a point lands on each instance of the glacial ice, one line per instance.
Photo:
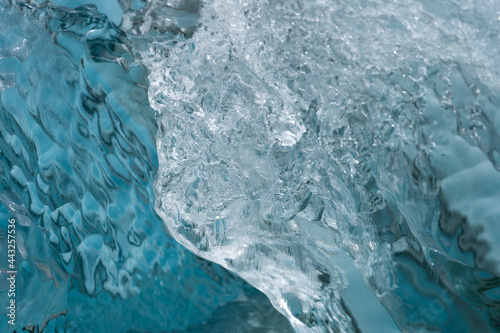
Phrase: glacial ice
(342, 157)
(77, 163)
(293, 133)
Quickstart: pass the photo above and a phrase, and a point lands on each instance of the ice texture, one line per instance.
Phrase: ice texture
(292, 134)
(77, 163)
(341, 156)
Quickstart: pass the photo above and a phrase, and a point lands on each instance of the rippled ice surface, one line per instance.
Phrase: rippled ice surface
(340, 156)
(77, 163)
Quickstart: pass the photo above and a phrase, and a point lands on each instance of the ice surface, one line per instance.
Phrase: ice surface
(294, 132)
(77, 162)
(342, 157)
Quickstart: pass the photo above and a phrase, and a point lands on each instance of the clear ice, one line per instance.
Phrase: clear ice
(294, 133)
(341, 157)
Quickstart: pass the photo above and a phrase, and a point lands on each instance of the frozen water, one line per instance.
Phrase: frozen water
(77, 163)
(294, 132)
(342, 157)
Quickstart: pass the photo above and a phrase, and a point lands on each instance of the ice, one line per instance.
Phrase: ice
(342, 157)
(294, 132)
(77, 163)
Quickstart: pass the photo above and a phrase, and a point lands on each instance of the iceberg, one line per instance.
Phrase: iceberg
(251, 166)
